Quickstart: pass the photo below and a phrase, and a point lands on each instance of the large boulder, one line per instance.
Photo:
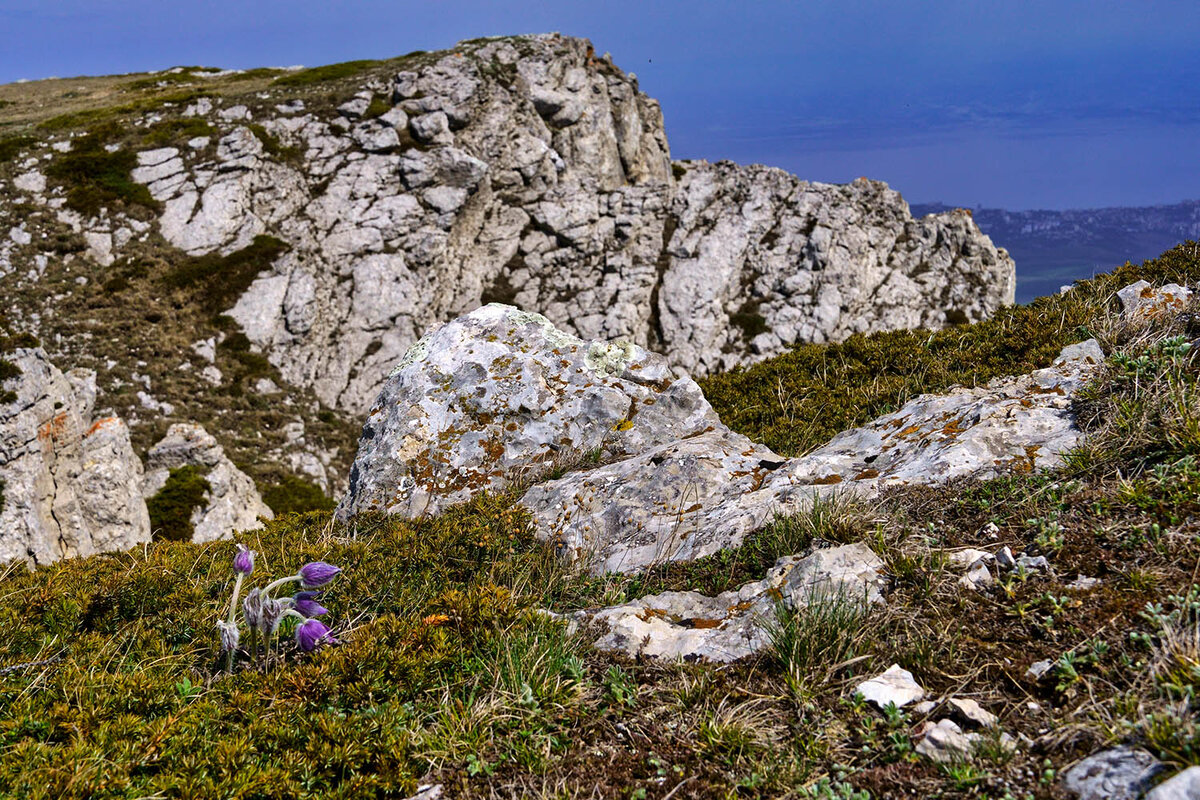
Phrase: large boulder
(71, 484)
(232, 502)
(500, 395)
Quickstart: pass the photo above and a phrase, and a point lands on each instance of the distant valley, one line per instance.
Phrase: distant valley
(1054, 248)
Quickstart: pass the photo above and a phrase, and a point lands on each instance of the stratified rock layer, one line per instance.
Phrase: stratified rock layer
(232, 502)
(71, 485)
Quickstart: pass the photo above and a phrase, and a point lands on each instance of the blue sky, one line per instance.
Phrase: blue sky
(1011, 104)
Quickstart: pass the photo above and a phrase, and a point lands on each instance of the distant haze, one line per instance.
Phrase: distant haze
(1055, 248)
(1012, 105)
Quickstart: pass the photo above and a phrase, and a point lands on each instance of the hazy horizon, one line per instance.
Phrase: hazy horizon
(1048, 106)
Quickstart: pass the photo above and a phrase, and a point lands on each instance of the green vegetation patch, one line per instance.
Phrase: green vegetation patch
(11, 146)
(224, 278)
(94, 116)
(804, 397)
(273, 147)
(95, 177)
(330, 72)
(177, 131)
(287, 494)
(171, 508)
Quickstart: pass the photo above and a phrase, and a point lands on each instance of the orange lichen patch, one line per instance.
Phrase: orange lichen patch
(53, 429)
(1023, 464)
(434, 620)
(909, 431)
(693, 508)
(774, 594)
(648, 614)
(953, 427)
(867, 474)
(705, 624)
(623, 425)
(828, 480)
(101, 423)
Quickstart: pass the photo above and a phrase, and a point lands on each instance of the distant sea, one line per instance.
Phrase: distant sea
(1054, 248)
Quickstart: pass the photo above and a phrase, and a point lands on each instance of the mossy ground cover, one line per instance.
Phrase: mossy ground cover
(445, 673)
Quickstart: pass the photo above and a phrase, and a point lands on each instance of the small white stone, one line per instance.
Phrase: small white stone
(894, 686)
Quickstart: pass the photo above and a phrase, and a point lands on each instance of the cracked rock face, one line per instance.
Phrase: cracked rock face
(232, 502)
(501, 394)
(530, 172)
(72, 485)
(735, 624)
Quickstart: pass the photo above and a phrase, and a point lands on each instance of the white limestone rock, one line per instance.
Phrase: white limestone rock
(735, 624)
(894, 686)
(543, 179)
(1183, 785)
(1141, 300)
(499, 394)
(232, 502)
(72, 486)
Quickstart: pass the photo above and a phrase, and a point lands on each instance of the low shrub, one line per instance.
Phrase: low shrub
(224, 278)
(329, 72)
(94, 177)
(171, 507)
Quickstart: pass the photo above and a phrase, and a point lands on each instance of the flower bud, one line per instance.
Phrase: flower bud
(272, 615)
(306, 604)
(252, 608)
(243, 562)
(229, 635)
(312, 633)
(316, 574)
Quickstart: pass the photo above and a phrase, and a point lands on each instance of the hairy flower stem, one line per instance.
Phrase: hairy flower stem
(275, 584)
(237, 588)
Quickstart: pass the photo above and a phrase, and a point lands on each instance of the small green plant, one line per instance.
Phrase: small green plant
(620, 687)
(822, 632)
(95, 177)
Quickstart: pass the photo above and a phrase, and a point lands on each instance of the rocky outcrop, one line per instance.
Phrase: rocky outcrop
(501, 396)
(232, 503)
(71, 484)
(529, 171)
(736, 624)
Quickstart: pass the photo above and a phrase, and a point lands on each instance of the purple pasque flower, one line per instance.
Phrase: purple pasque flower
(252, 608)
(243, 562)
(316, 574)
(311, 634)
(306, 604)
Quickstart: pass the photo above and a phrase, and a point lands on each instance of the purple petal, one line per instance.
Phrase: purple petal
(316, 574)
(243, 562)
(311, 633)
(305, 603)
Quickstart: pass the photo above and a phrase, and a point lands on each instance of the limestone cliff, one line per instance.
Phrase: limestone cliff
(525, 170)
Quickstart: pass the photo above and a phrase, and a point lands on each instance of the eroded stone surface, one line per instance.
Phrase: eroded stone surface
(500, 394)
(1121, 773)
(529, 171)
(733, 625)
(232, 502)
(72, 486)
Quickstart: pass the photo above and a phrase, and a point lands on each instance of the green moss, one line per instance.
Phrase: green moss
(95, 177)
(378, 107)
(177, 131)
(10, 147)
(330, 72)
(94, 116)
(224, 278)
(801, 399)
(274, 147)
(287, 494)
(171, 508)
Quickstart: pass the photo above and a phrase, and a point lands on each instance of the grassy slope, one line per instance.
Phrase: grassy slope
(442, 672)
